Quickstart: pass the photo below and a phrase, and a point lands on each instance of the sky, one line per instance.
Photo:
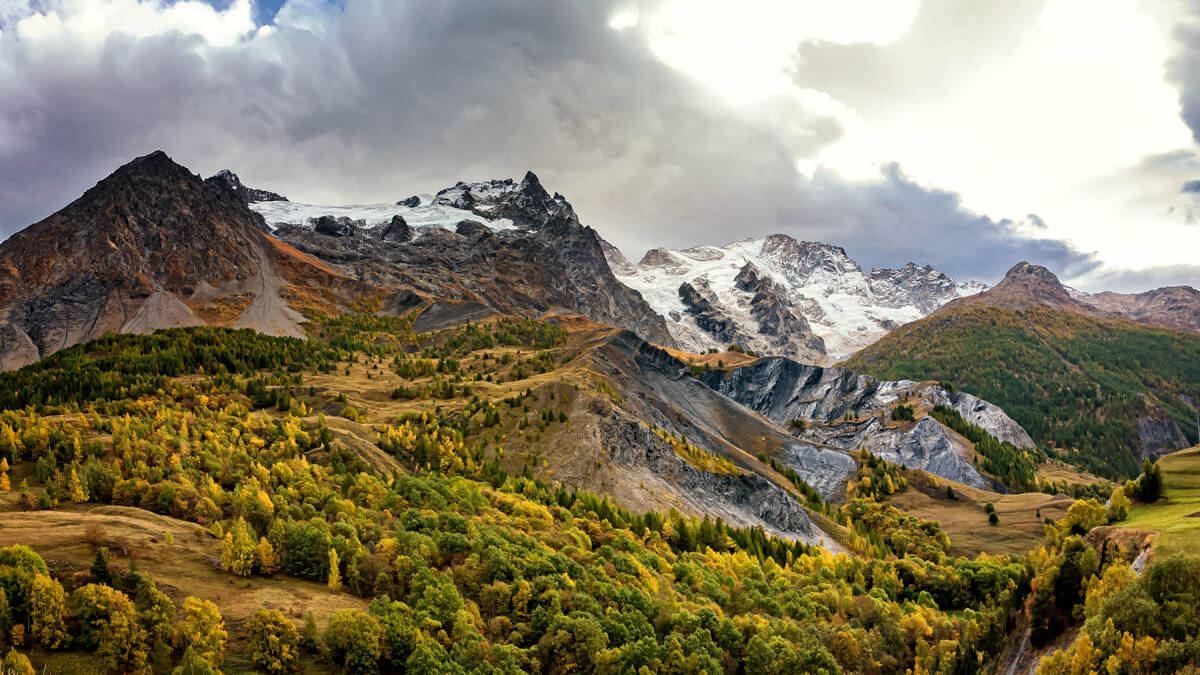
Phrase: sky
(965, 134)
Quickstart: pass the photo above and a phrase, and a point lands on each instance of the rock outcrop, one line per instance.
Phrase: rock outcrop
(843, 409)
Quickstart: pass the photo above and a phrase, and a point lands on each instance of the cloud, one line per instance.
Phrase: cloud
(376, 100)
(1136, 281)
(949, 42)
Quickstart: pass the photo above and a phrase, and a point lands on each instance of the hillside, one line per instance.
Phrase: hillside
(410, 502)
(1176, 518)
(1102, 391)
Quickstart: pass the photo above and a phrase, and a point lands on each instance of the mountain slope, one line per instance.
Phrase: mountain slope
(155, 246)
(837, 408)
(151, 246)
(780, 296)
(505, 244)
(1176, 307)
(1105, 391)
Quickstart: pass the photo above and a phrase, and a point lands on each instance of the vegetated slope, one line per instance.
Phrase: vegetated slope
(1176, 518)
(1103, 391)
(468, 565)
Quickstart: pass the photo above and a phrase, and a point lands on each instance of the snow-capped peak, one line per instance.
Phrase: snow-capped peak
(745, 291)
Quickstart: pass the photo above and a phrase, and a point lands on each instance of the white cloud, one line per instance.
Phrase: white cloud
(667, 123)
(91, 22)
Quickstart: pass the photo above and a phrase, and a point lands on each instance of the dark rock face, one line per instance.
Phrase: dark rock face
(708, 317)
(471, 228)
(559, 266)
(230, 181)
(397, 230)
(777, 317)
(334, 227)
(412, 202)
(526, 204)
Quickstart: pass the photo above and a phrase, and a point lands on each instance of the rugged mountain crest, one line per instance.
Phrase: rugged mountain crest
(150, 246)
(777, 295)
(1026, 285)
(504, 244)
(526, 204)
(1175, 307)
(230, 181)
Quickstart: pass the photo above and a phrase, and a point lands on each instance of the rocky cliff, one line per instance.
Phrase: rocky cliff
(847, 410)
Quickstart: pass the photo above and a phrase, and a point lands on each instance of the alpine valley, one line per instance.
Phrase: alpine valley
(461, 432)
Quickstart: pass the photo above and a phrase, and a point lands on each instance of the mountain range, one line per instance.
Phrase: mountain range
(154, 246)
(465, 434)
(777, 295)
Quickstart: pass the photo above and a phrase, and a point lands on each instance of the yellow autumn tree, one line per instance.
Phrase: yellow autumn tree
(335, 574)
(203, 630)
(238, 550)
(268, 559)
(75, 488)
(47, 608)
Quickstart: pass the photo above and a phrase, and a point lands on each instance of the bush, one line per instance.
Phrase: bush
(274, 641)
(350, 413)
(204, 630)
(353, 638)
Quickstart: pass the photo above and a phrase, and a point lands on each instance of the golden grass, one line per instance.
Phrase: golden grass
(966, 523)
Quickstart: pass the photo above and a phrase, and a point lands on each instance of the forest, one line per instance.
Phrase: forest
(1077, 384)
(464, 564)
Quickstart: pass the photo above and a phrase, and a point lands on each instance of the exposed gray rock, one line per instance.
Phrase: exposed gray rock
(744, 499)
(1160, 436)
(335, 227)
(847, 410)
(412, 202)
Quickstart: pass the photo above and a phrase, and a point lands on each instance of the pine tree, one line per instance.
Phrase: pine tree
(100, 572)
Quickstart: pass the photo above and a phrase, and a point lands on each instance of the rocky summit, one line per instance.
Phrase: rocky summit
(777, 295)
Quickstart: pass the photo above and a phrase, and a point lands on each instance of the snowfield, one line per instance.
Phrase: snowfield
(425, 215)
(845, 306)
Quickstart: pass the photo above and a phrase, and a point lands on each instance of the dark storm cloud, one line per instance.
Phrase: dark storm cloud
(1184, 68)
(388, 98)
